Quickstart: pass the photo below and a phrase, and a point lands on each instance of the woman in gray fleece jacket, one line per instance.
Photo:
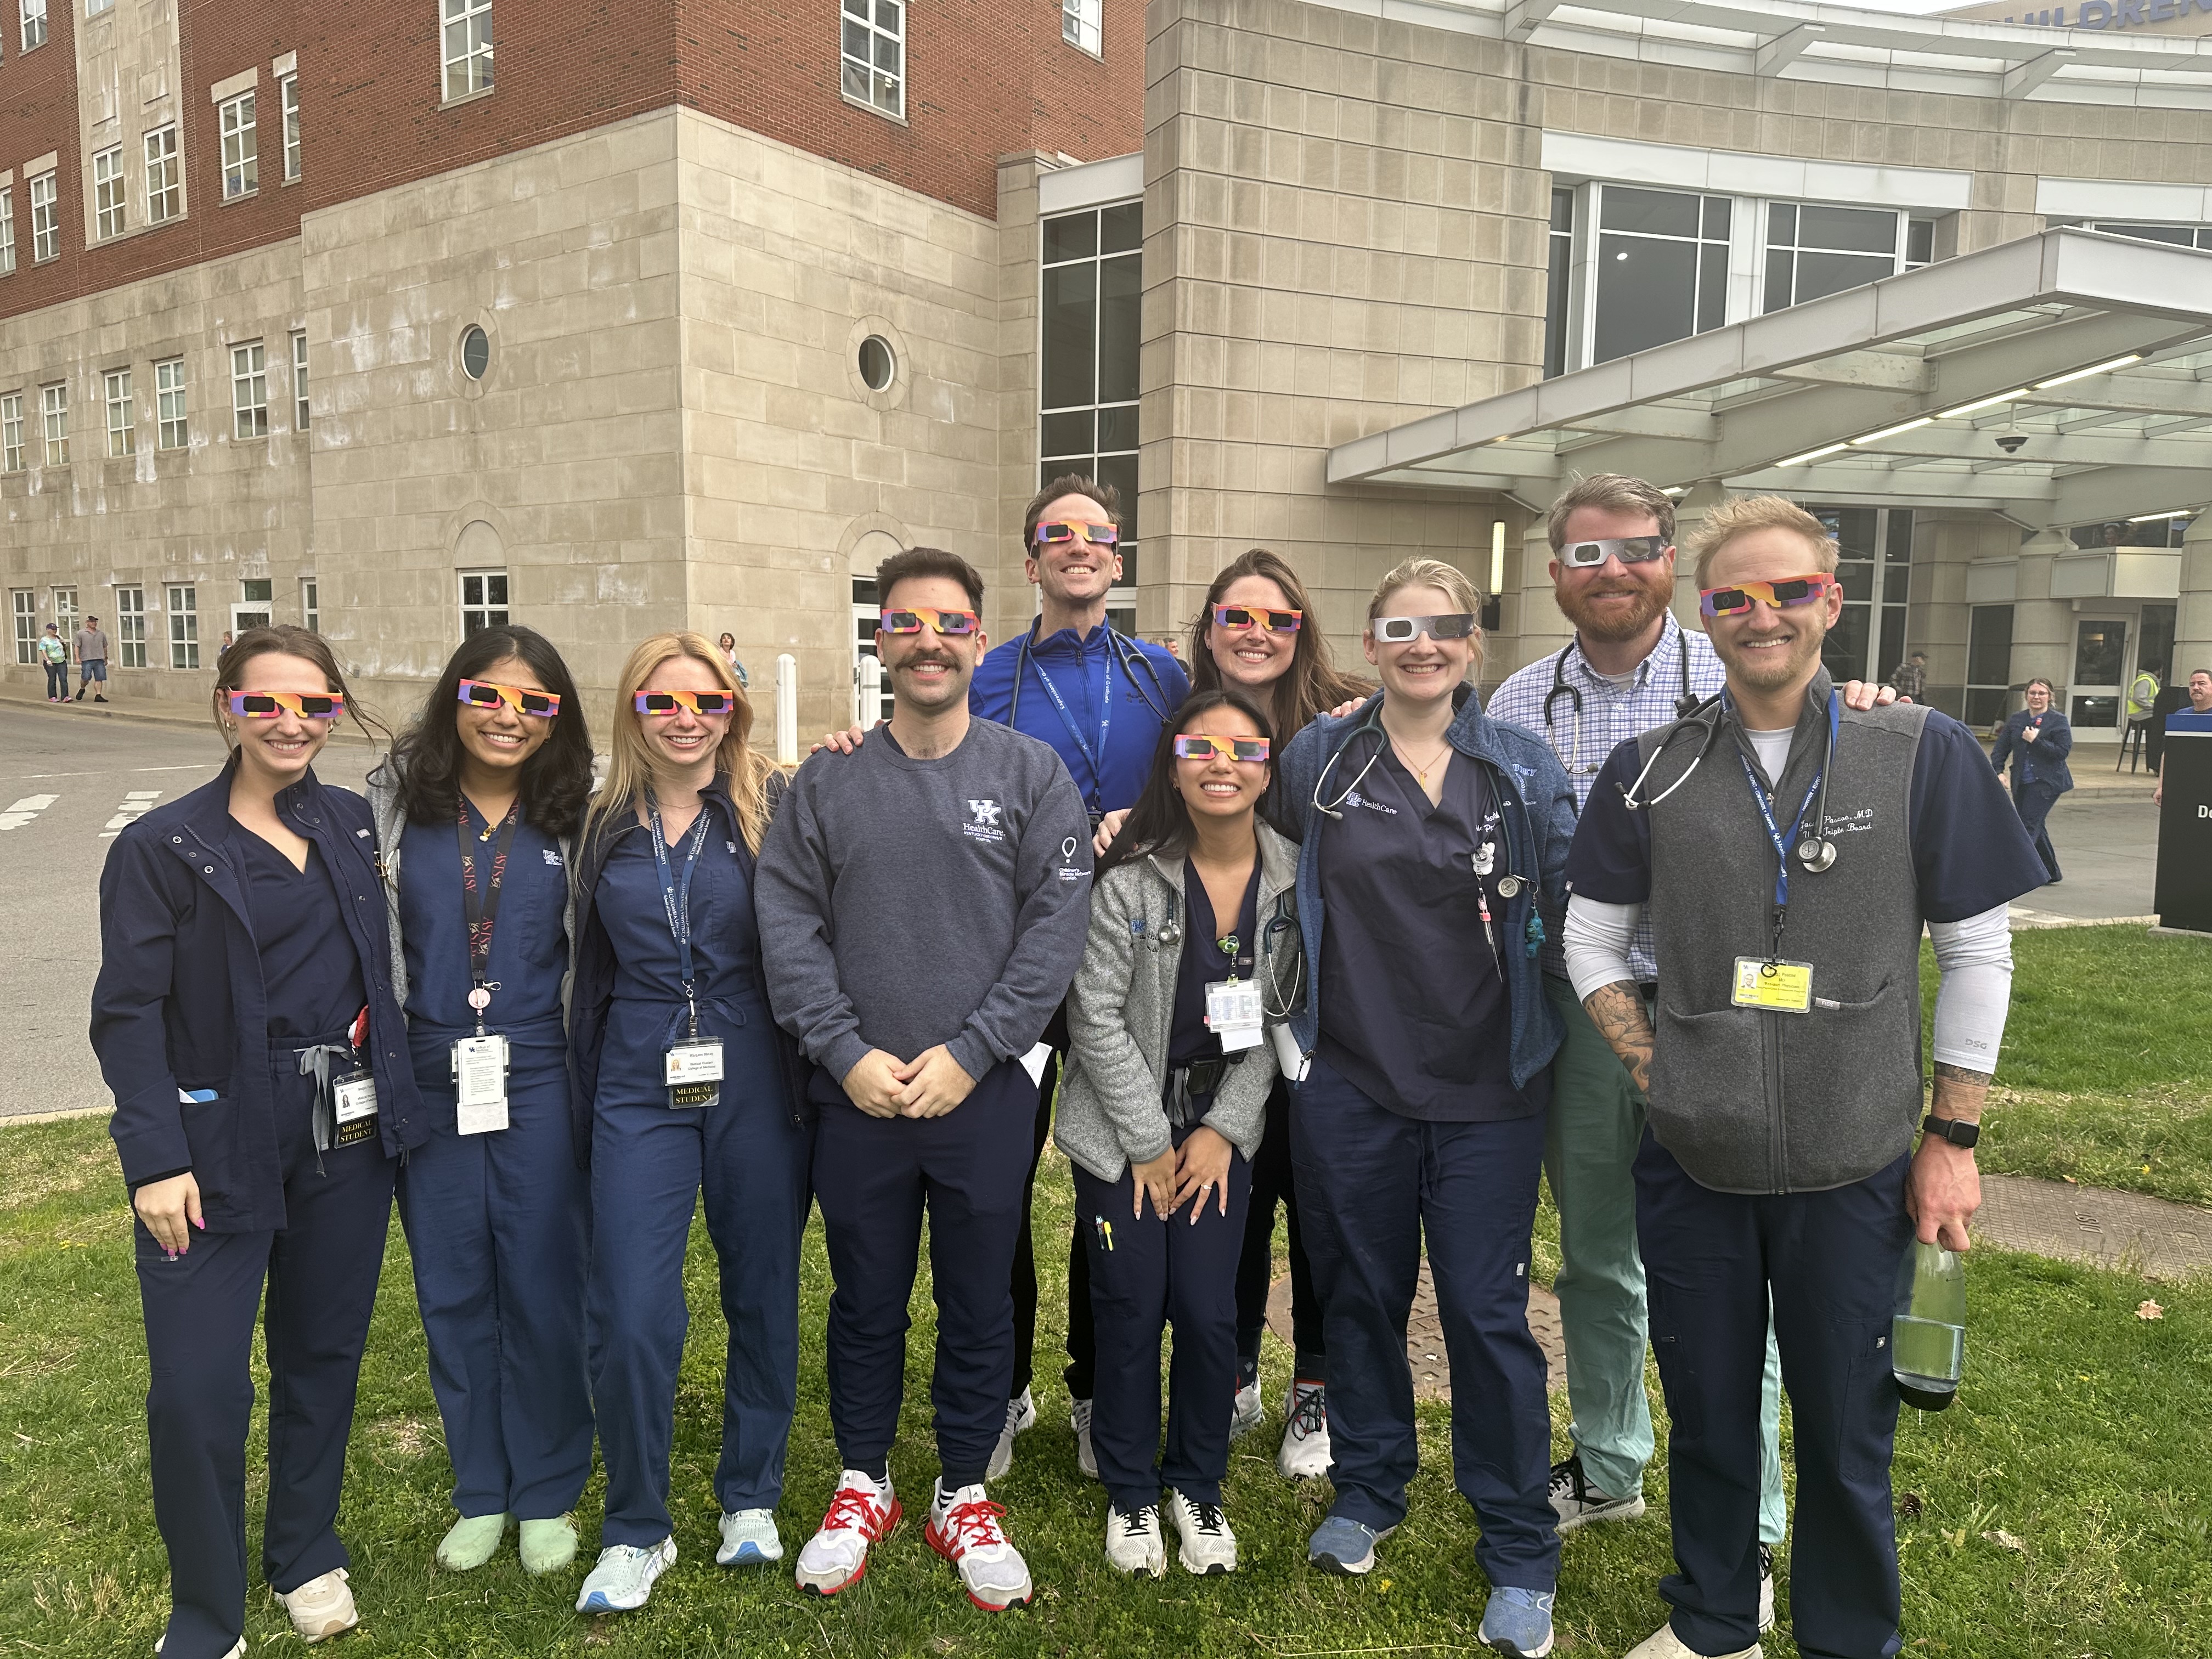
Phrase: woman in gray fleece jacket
(1193, 943)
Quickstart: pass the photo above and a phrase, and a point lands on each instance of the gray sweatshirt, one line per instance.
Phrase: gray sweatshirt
(905, 903)
(91, 645)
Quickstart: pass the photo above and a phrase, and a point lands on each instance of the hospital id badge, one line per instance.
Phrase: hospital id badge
(695, 1073)
(1777, 987)
(1232, 1011)
(480, 1084)
(354, 1098)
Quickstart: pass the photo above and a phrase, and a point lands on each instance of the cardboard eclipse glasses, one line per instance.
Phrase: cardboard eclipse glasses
(272, 705)
(482, 693)
(1784, 595)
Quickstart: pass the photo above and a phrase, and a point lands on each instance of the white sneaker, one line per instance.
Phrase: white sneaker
(238, 1652)
(1577, 1503)
(1133, 1542)
(1766, 1587)
(1664, 1643)
(859, 1513)
(1305, 1454)
(623, 1578)
(1209, 1548)
(1251, 1411)
(1021, 1415)
(1078, 1419)
(748, 1539)
(964, 1527)
(322, 1606)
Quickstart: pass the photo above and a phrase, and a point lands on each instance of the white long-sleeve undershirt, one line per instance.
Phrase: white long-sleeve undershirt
(1973, 958)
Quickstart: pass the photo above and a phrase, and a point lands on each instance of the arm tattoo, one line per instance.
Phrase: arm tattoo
(1617, 1011)
(1959, 1092)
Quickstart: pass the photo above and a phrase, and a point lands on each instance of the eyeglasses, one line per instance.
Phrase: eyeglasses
(482, 693)
(1396, 630)
(271, 705)
(1245, 616)
(1629, 550)
(1098, 535)
(1197, 745)
(664, 703)
(1784, 595)
(910, 622)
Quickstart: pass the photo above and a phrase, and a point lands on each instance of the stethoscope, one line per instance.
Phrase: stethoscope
(1125, 654)
(1813, 850)
(1685, 705)
(1168, 934)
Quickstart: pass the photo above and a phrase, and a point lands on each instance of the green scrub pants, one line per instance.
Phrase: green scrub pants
(1591, 1136)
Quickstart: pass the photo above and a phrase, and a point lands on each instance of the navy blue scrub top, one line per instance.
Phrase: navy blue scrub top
(1190, 1039)
(309, 969)
(1413, 1007)
(724, 937)
(529, 947)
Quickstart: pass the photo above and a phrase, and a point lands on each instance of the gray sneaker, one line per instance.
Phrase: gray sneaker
(623, 1578)
(1021, 1416)
(1577, 1503)
(1086, 1457)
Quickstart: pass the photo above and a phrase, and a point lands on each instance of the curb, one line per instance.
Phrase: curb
(10, 1119)
(145, 716)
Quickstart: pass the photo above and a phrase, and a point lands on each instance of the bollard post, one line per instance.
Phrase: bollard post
(787, 709)
(870, 709)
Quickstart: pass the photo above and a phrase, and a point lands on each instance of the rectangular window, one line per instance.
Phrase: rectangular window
(11, 432)
(45, 219)
(2198, 236)
(164, 178)
(122, 438)
(110, 216)
(25, 604)
(249, 392)
(93, 7)
(483, 600)
(169, 403)
(7, 232)
(1920, 243)
(53, 406)
(241, 170)
(184, 627)
(1080, 24)
(299, 383)
(1814, 251)
(468, 47)
(311, 604)
(34, 23)
(1873, 547)
(66, 614)
(131, 625)
(1087, 418)
(873, 44)
(1661, 267)
(1556, 284)
(287, 99)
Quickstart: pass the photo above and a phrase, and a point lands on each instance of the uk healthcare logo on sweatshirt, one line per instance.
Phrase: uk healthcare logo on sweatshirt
(984, 821)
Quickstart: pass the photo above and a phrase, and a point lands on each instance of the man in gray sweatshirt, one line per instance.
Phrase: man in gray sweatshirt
(923, 905)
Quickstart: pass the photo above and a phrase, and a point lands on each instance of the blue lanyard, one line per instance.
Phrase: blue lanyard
(674, 898)
(1782, 839)
(1097, 759)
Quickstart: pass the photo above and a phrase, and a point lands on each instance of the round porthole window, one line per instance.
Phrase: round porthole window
(476, 352)
(878, 364)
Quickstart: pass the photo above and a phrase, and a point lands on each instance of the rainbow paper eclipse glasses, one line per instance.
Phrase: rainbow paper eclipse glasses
(1198, 745)
(1056, 533)
(482, 693)
(666, 703)
(1248, 616)
(910, 620)
(272, 705)
(1785, 594)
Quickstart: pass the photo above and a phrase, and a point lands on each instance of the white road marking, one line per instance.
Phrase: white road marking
(40, 777)
(25, 809)
(135, 804)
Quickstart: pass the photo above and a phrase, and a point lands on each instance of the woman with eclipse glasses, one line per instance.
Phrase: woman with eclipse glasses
(246, 1023)
(477, 813)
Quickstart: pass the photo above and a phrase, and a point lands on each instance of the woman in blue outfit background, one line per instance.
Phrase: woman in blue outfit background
(1427, 828)
(2038, 739)
(477, 811)
(690, 1087)
(245, 1020)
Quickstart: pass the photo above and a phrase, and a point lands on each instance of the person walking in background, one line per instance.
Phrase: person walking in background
(1910, 678)
(91, 659)
(2037, 738)
(54, 654)
(477, 815)
(244, 1019)
(727, 645)
(1165, 1099)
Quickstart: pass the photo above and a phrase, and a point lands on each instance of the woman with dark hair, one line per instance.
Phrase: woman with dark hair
(477, 812)
(1253, 633)
(244, 1020)
(2037, 738)
(1193, 941)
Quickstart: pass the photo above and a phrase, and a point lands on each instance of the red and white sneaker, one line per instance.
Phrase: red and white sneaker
(964, 1527)
(860, 1513)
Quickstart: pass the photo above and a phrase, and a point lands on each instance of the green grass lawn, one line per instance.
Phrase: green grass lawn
(2082, 1436)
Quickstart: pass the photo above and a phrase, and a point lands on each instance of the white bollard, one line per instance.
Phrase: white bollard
(787, 710)
(869, 706)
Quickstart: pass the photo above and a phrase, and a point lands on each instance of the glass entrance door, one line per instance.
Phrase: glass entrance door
(2100, 665)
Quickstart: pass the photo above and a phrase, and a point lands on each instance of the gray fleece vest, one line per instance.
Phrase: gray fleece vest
(1754, 1102)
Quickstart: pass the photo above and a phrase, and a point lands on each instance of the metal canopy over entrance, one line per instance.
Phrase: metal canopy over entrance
(2063, 378)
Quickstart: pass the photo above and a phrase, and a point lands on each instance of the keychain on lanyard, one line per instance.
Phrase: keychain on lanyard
(694, 1066)
(479, 1063)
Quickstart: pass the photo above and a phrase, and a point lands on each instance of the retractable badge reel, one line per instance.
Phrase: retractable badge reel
(353, 1095)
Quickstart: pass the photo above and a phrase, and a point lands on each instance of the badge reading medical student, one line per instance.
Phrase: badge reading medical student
(354, 1097)
(480, 1084)
(695, 1073)
(1777, 987)
(1232, 1013)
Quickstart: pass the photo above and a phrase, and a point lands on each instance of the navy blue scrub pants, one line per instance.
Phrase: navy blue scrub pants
(2034, 802)
(1145, 1276)
(873, 1177)
(498, 1227)
(1370, 1185)
(650, 1163)
(1830, 1260)
(1272, 1183)
(320, 1269)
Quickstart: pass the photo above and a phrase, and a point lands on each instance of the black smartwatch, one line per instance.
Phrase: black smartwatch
(1952, 1129)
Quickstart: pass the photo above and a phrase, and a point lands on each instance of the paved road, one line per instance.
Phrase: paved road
(2107, 848)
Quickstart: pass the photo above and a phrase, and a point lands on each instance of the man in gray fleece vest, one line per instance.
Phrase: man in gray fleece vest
(923, 905)
(1789, 851)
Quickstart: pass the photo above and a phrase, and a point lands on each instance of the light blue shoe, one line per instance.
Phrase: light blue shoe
(1518, 1622)
(623, 1578)
(1342, 1544)
(749, 1540)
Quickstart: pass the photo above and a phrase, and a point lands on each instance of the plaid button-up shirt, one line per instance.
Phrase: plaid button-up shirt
(1584, 729)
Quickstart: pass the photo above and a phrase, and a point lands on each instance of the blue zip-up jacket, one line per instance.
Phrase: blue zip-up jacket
(1146, 681)
(1536, 808)
(591, 962)
(179, 1003)
(2043, 761)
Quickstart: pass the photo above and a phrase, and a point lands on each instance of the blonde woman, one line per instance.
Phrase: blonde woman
(690, 1088)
